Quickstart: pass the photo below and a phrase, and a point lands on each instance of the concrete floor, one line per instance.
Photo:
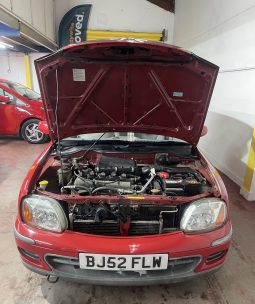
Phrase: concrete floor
(234, 283)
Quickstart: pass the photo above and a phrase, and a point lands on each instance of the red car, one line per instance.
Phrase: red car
(21, 109)
(122, 195)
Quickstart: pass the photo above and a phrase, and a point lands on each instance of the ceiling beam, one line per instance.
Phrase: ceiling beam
(20, 43)
(26, 32)
(165, 4)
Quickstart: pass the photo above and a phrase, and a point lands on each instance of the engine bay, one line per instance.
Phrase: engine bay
(109, 186)
(113, 175)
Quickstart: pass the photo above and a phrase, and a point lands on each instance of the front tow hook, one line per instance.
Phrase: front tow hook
(52, 278)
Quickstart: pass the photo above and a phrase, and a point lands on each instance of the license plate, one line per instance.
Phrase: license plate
(123, 262)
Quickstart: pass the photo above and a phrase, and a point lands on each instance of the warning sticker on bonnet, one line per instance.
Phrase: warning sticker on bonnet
(79, 75)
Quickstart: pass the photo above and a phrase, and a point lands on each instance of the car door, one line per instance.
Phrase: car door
(8, 113)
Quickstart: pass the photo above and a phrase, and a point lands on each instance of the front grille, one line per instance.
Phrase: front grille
(29, 254)
(216, 256)
(144, 228)
(69, 267)
(103, 228)
(113, 228)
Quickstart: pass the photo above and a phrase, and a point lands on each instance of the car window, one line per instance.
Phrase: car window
(5, 84)
(5, 93)
(24, 91)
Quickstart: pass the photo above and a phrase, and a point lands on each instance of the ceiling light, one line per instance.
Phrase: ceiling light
(4, 45)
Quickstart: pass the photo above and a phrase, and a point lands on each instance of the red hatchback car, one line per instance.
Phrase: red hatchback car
(21, 109)
(122, 195)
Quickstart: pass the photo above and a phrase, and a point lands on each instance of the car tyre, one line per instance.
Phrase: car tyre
(29, 132)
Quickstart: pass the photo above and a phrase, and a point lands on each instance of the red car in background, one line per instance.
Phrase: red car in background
(21, 110)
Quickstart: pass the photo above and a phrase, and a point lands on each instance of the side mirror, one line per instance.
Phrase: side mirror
(4, 99)
(43, 127)
(204, 131)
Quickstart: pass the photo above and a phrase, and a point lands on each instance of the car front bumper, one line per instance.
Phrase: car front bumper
(124, 278)
(56, 255)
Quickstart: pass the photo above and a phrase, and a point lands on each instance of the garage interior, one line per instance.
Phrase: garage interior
(220, 31)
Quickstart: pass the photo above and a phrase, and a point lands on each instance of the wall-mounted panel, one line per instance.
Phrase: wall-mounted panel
(22, 9)
(49, 19)
(38, 15)
(6, 4)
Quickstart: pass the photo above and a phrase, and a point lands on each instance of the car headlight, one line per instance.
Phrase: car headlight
(204, 215)
(44, 213)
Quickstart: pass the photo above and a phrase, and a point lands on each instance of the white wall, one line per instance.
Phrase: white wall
(223, 32)
(121, 15)
(38, 13)
(12, 67)
(33, 57)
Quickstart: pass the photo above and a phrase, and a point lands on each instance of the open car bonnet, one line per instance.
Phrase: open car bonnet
(126, 86)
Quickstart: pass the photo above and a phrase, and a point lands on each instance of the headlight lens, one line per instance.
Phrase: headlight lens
(44, 213)
(204, 215)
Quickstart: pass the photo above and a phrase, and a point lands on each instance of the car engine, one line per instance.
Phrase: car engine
(120, 176)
